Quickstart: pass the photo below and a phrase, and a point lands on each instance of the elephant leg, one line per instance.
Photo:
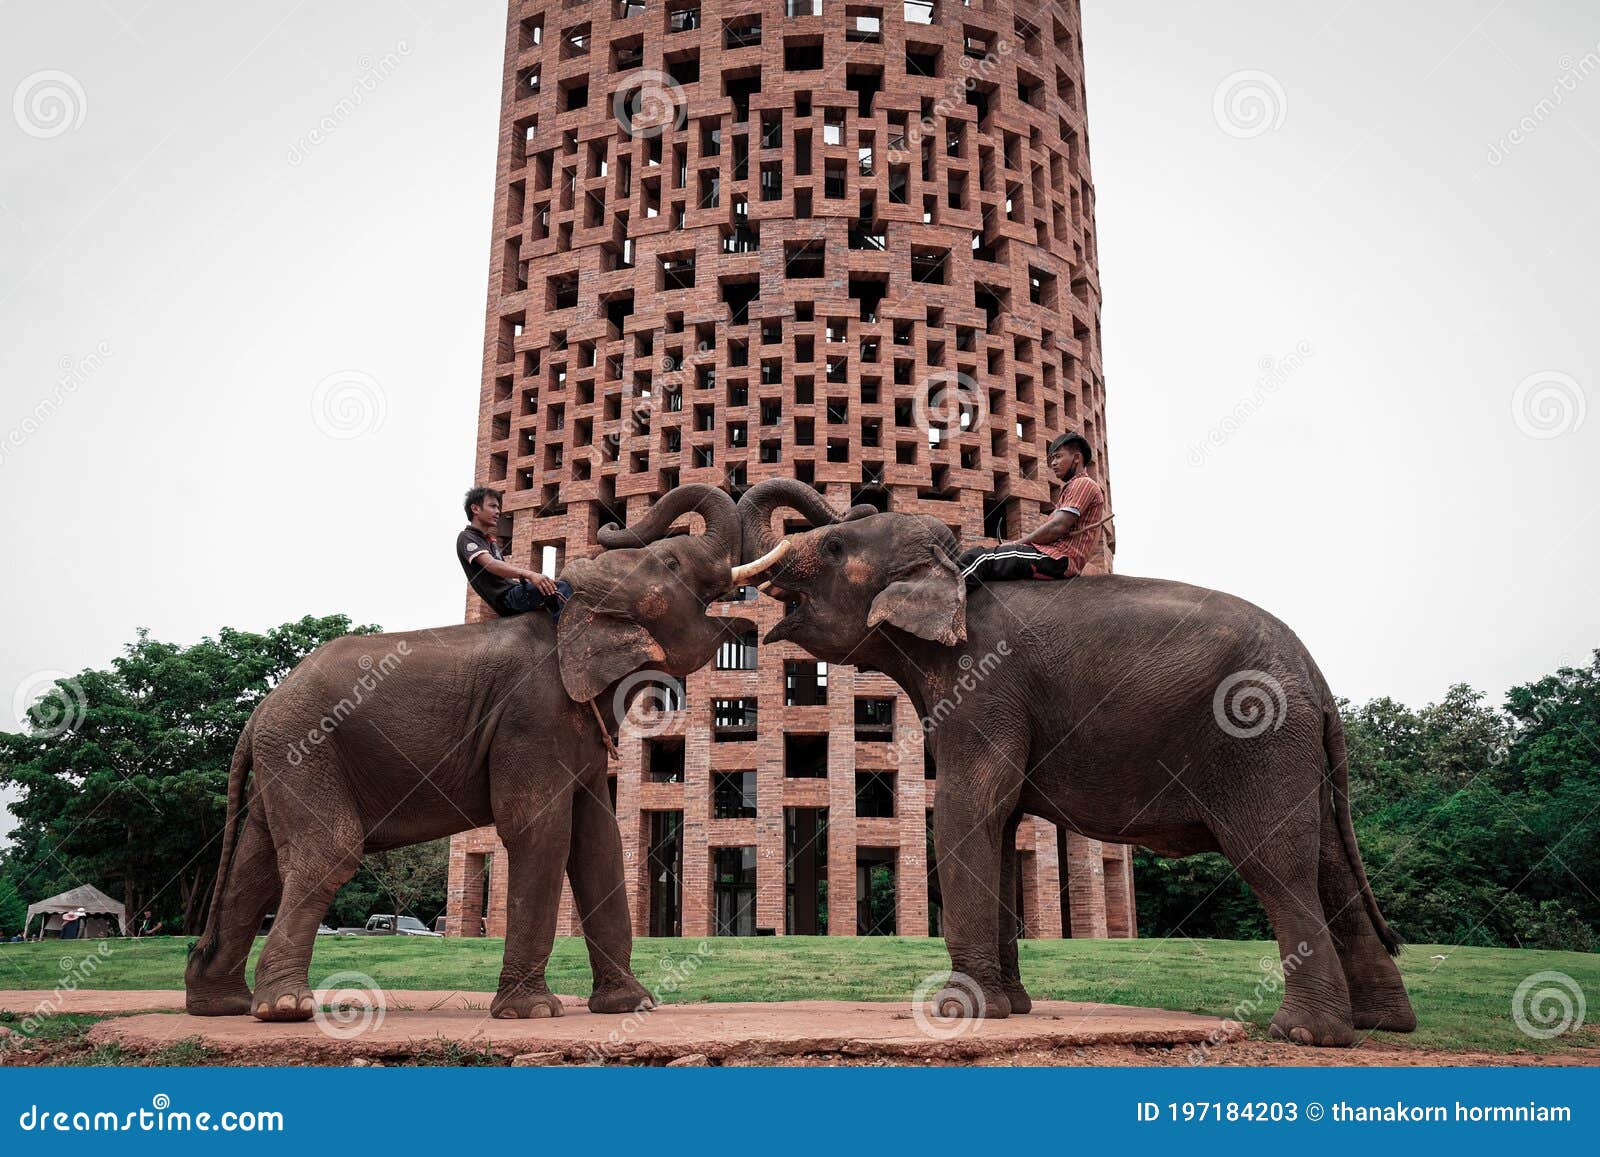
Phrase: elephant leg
(283, 973)
(1377, 995)
(1010, 918)
(1280, 865)
(213, 981)
(973, 810)
(594, 868)
(536, 850)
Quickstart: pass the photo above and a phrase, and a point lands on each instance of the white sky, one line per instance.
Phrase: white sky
(1383, 500)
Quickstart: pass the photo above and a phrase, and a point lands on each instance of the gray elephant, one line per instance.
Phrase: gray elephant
(379, 741)
(1131, 710)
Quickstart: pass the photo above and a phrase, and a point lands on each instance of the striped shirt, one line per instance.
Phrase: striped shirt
(1081, 496)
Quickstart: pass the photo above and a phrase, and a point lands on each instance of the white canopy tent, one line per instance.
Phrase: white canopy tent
(98, 908)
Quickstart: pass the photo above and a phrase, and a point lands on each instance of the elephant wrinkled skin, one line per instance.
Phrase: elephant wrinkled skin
(379, 741)
(1131, 710)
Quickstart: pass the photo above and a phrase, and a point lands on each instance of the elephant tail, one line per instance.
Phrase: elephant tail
(1339, 781)
(238, 771)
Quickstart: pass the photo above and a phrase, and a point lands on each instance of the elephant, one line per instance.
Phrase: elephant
(375, 742)
(1131, 710)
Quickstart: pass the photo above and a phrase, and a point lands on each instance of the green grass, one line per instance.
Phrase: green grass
(1463, 1002)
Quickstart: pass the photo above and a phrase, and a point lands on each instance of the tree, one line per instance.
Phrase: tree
(124, 771)
(13, 908)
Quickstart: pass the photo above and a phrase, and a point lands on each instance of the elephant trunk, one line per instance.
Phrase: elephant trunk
(713, 505)
(756, 507)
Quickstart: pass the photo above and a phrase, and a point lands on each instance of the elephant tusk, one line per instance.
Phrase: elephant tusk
(743, 574)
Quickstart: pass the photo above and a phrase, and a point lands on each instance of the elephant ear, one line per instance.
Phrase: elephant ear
(594, 650)
(930, 602)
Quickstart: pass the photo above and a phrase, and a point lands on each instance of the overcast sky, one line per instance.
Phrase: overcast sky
(1349, 254)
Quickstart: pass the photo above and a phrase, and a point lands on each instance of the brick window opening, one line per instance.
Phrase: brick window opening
(875, 794)
(741, 32)
(863, 25)
(575, 42)
(805, 756)
(685, 69)
(562, 292)
(733, 795)
(733, 720)
(664, 760)
(804, 259)
(738, 654)
(919, 11)
(677, 272)
(874, 720)
(683, 19)
(733, 891)
(575, 95)
(805, 683)
(801, 57)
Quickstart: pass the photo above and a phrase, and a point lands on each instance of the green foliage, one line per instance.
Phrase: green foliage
(123, 772)
(405, 881)
(13, 909)
(1478, 826)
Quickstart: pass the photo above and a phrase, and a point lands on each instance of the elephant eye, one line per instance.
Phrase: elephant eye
(834, 548)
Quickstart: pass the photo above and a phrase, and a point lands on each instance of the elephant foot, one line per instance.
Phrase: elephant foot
(964, 1000)
(519, 1004)
(622, 995)
(288, 1003)
(217, 1002)
(1391, 1016)
(1018, 998)
(1301, 1027)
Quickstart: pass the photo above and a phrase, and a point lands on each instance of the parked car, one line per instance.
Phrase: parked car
(408, 926)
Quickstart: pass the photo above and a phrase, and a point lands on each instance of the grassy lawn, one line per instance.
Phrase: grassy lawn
(1463, 1002)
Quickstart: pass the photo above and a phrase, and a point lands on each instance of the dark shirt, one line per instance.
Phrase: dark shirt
(471, 543)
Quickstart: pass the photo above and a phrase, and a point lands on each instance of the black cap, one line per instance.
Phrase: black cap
(1068, 439)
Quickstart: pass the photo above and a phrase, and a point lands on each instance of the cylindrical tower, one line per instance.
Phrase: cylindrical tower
(850, 243)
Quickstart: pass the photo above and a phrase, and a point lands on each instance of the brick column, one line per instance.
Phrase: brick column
(1086, 885)
(1121, 918)
(1041, 882)
(697, 913)
(499, 882)
(911, 809)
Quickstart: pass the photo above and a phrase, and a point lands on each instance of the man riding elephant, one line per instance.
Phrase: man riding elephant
(380, 741)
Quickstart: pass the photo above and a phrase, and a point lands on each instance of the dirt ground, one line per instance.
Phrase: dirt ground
(436, 1027)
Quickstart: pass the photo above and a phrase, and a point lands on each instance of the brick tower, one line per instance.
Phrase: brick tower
(850, 243)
